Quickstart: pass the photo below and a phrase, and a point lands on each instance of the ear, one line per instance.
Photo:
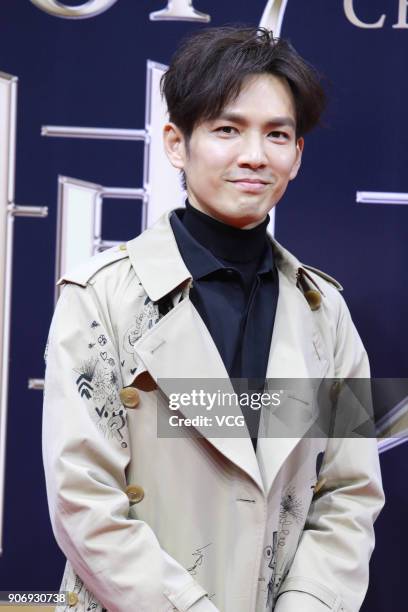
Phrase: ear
(298, 160)
(174, 145)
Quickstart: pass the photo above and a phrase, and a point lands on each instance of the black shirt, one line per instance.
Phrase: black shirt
(235, 291)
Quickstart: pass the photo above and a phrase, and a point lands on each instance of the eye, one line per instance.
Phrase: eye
(279, 135)
(226, 129)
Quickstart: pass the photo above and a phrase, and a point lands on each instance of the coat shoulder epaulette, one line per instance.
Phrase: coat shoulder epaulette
(81, 274)
(325, 276)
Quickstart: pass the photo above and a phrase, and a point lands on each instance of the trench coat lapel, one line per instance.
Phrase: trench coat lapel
(180, 347)
(297, 352)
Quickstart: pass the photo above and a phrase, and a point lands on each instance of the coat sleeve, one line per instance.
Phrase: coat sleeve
(86, 451)
(330, 567)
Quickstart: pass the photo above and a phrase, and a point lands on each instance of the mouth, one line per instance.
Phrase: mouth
(250, 185)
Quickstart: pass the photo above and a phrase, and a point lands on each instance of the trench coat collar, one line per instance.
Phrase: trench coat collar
(156, 259)
(297, 350)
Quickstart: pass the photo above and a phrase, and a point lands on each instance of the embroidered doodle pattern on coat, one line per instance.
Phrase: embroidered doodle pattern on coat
(278, 574)
(142, 322)
(86, 373)
(98, 382)
(291, 510)
(270, 556)
(46, 351)
(199, 558)
(72, 583)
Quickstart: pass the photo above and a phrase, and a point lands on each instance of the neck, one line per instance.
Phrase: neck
(223, 240)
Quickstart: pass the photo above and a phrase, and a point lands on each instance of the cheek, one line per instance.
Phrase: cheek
(214, 158)
(284, 162)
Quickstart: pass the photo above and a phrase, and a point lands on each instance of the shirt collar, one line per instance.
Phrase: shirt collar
(267, 263)
(200, 261)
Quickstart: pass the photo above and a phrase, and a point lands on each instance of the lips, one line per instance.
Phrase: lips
(252, 181)
(250, 185)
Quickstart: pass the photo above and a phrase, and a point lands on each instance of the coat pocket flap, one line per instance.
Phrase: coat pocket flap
(306, 585)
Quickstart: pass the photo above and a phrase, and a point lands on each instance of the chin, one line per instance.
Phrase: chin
(243, 220)
(252, 214)
(239, 214)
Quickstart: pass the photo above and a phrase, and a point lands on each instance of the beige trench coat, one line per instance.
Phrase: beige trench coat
(208, 525)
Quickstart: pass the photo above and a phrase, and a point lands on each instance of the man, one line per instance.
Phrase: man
(153, 524)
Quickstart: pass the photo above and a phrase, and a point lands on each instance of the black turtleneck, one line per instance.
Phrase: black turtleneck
(225, 241)
(239, 249)
(235, 291)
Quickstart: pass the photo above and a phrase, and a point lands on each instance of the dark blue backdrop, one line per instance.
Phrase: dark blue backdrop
(92, 73)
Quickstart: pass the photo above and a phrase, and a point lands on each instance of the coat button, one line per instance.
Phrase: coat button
(135, 493)
(129, 396)
(72, 598)
(313, 298)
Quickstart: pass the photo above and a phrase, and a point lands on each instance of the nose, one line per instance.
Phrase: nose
(252, 153)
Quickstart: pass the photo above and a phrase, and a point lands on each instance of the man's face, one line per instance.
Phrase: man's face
(238, 165)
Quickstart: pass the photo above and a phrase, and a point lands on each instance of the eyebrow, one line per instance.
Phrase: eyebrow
(240, 119)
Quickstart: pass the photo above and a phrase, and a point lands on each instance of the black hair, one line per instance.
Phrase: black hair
(209, 68)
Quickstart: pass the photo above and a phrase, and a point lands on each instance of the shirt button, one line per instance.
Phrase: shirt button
(129, 396)
(135, 493)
